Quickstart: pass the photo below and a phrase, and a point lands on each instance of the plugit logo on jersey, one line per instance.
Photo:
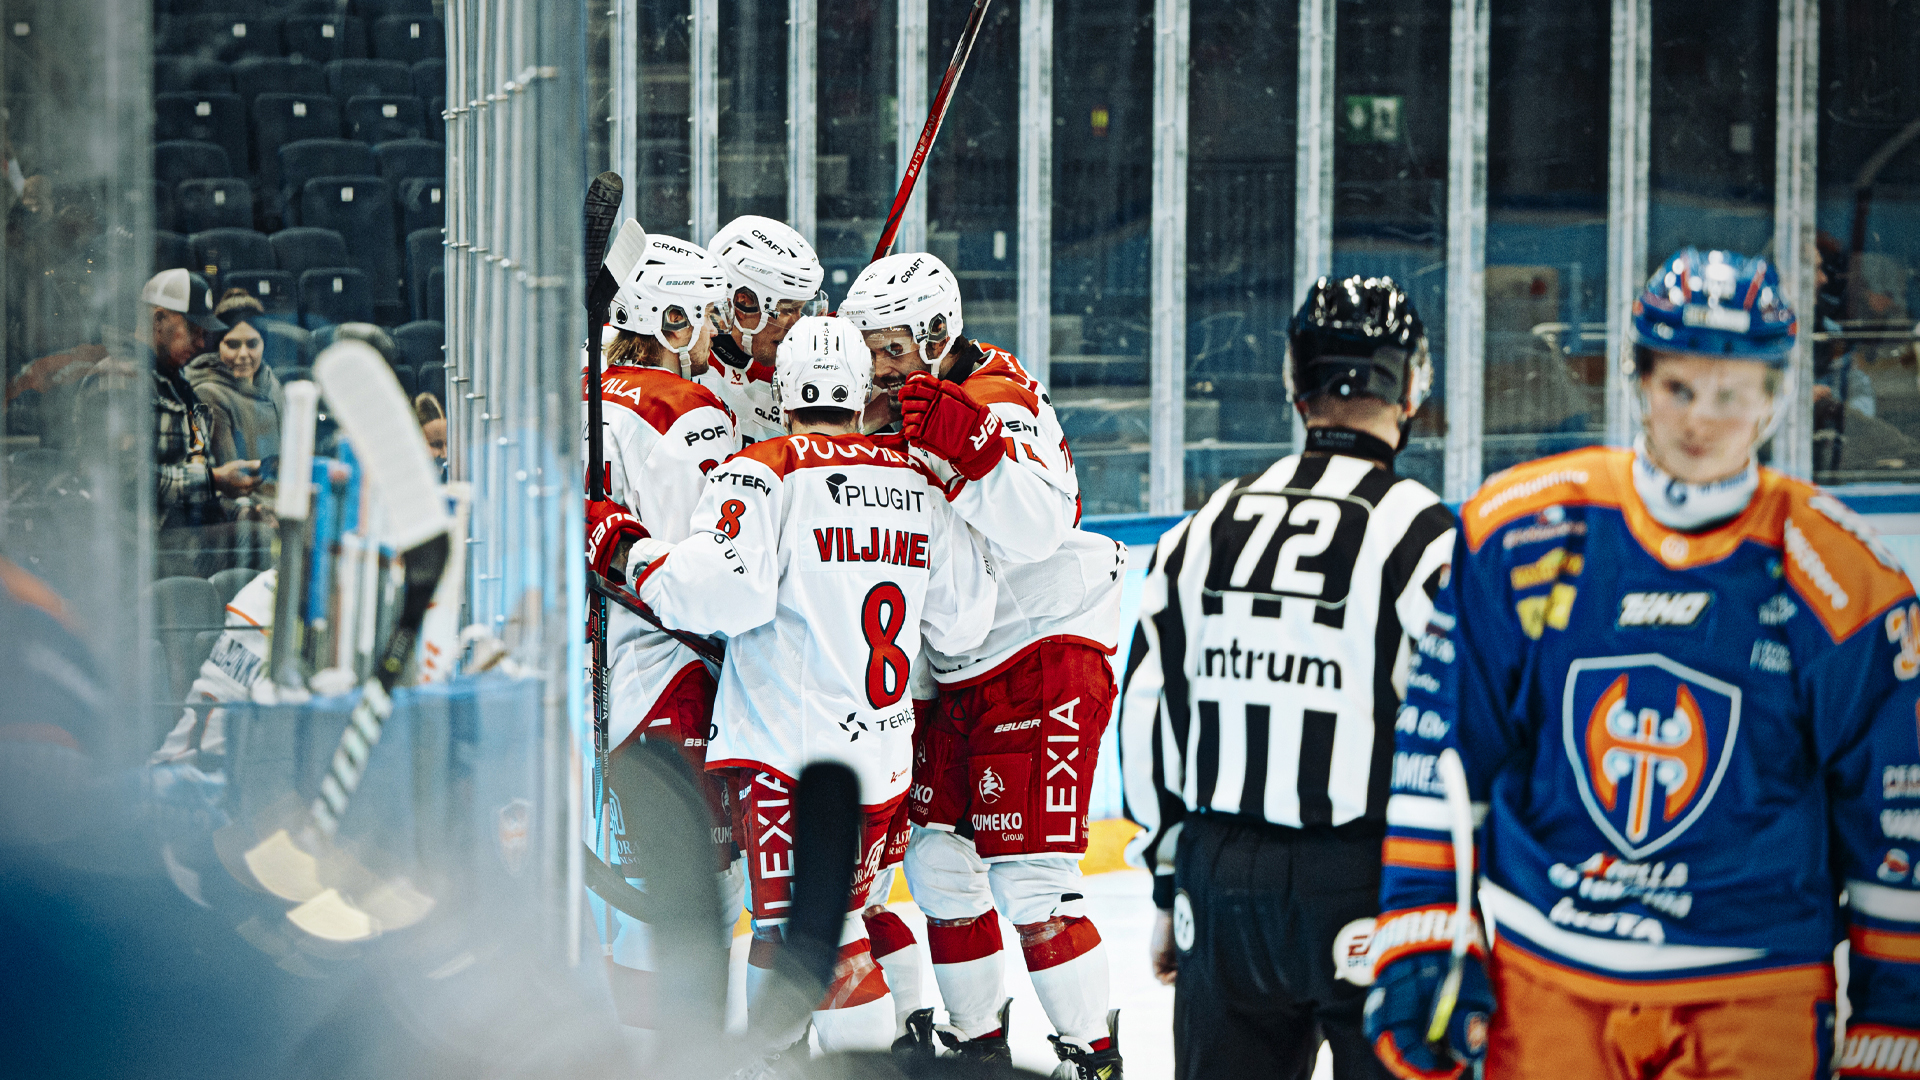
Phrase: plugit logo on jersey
(1649, 740)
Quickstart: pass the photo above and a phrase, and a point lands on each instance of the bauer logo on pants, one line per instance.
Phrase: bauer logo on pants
(1649, 740)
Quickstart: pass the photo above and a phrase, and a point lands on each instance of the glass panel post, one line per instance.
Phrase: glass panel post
(910, 115)
(1035, 188)
(623, 102)
(803, 63)
(704, 123)
(1629, 130)
(1168, 380)
(1795, 251)
(1313, 163)
(1466, 245)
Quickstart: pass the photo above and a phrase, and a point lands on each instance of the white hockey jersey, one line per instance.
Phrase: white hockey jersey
(1055, 579)
(662, 434)
(827, 561)
(229, 673)
(746, 389)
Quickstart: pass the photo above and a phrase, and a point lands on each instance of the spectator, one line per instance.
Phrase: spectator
(242, 394)
(433, 424)
(178, 310)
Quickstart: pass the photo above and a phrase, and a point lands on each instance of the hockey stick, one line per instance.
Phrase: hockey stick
(935, 116)
(367, 402)
(606, 590)
(597, 214)
(1453, 780)
(292, 504)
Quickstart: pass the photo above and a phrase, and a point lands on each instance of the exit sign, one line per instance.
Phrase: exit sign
(1366, 118)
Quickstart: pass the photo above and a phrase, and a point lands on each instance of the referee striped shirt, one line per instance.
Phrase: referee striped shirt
(1272, 651)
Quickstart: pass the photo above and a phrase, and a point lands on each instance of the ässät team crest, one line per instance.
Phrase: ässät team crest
(1649, 740)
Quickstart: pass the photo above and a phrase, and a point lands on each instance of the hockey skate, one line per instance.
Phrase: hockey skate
(1077, 1063)
(918, 1041)
(989, 1048)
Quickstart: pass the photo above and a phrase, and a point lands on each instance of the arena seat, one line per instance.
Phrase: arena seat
(354, 78)
(378, 118)
(360, 209)
(187, 159)
(335, 294)
(305, 159)
(258, 75)
(216, 118)
(200, 205)
(281, 119)
(401, 159)
(277, 290)
(421, 342)
(190, 74)
(423, 204)
(297, 250)
(170, 251)
(322, 39)
(407, 38)
(218, 252)
(425, 253)
(430, 79)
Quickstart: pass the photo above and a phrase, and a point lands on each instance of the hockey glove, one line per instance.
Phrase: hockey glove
(940, 418)
(1401, 1005)
(645, 553)
(608, 526)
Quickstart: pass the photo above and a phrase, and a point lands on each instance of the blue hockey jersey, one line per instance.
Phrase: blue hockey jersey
(1670, 737)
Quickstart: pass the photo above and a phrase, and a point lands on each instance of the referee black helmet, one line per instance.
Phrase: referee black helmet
(1358, 337)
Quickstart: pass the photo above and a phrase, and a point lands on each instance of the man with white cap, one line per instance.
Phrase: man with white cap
(177, 314)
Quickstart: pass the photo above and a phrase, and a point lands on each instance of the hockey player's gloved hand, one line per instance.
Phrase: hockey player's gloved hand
(608, 526)
(645, 552)
(941, 419)
(1401, 1005)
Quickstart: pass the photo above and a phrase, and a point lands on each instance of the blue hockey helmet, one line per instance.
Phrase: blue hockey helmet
(1718, 303)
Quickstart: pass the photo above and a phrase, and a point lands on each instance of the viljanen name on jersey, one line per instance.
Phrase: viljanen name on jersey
(901, 548)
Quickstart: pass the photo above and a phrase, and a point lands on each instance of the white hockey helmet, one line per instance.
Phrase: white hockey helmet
(914, 290)
(666, 285)
(822, 363)
(768, 264)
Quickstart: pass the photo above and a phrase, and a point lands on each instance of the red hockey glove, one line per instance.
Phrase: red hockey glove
(940, 418)
(608, 527)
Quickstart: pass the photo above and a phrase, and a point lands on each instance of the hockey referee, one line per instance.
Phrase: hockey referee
(1257, 720)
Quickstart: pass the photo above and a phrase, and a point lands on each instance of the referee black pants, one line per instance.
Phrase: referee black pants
(1256, 993)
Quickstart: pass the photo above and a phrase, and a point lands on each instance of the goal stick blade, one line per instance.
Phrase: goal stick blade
(370, 407)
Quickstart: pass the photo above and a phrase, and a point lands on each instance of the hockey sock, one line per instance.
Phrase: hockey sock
(970, 968)
(898, 955)
(857, 1013)
(760, 952)
(1068, 965)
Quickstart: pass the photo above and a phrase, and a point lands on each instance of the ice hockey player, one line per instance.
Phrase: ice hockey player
(827, 560)
(1004, 762)
(662, 434)
(1266, 673)
(1658, 665)
(773, 278)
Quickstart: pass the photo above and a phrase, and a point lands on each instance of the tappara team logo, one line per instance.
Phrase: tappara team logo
(1649, 740)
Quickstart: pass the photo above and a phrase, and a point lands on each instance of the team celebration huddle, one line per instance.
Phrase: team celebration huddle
(1587, 779)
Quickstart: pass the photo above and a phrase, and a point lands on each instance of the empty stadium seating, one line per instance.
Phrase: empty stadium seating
(421, 343)
(317, 122)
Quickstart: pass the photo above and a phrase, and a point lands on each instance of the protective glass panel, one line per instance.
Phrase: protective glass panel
(1866, 402)
(1102, 207)
(970, 182)
(1546, 229)
(1240, 165)
(855, 171)
(753, 110)
(81, 493)
(666, 160)
(1712, 104)
(1390, 179)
